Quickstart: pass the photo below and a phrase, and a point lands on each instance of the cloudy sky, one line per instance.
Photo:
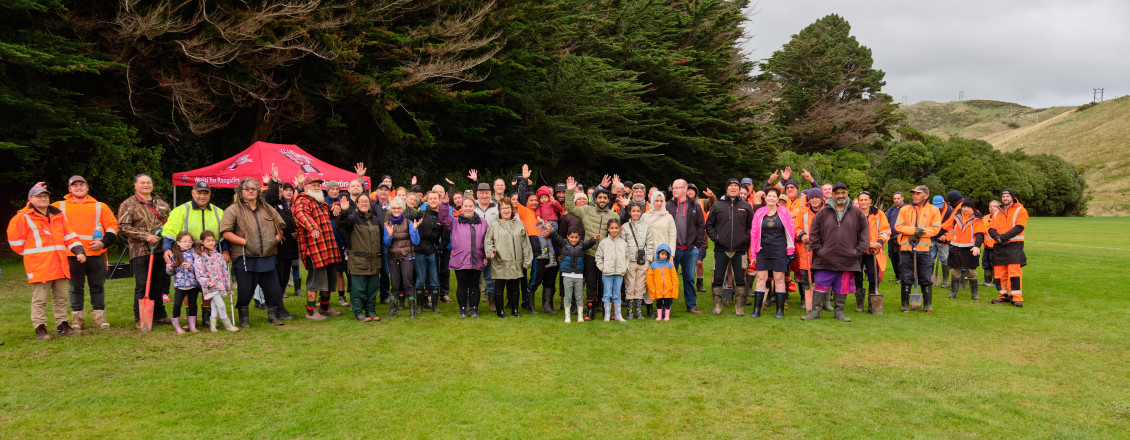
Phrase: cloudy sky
(1039, 53)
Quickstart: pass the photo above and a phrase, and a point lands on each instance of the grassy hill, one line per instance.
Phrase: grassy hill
(1096, 138)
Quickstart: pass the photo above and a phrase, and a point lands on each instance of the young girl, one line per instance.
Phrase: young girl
(184, 281)
(612, 259)
(213, 277)
(663, 282)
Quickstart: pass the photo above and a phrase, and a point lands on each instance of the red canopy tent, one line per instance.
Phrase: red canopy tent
(255, 162)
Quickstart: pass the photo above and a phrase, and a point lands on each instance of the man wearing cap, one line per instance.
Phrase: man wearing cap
(280, 196)
(915, 225)
(893, 245)
(41, 234)
(97, 227)
(839, 238)
(728, 226)
(195, 216)
(140, 218)
(638, 195)
(1007, 230)
(690, 227)
(316, 246)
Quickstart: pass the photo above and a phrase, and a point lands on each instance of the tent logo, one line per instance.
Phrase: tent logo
(301, 160)
(242, 159)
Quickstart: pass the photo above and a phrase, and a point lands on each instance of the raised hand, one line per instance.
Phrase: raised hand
(449, 182)
(266, 178)
(299, 179)
(388, 228)
(708, 193)
(526, 172)
(785, 175)
(570, 183)
(416, 223)
(344, 203)
(473, 174)
(360, 168)
(615, 180)
(773, 177)
(806, 174)
(413, 180)
(605, 181)
(274, 172)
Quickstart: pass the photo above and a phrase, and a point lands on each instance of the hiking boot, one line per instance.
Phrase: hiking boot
(839, 309)
(341, 301)
(859, 301)
(64, 329)
(928, 299)
(698, 285)
(716, 295)
(41, 333)
(100, 319)
(474, 311)
(329, 311)
(79, 320)
(273, 316)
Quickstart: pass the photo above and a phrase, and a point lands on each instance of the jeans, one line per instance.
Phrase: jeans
(906, 259)
(158, 285)
(940, 252)
(612, 284)
(488, 282)
(426, 270)
(94, 270)
(685, 260)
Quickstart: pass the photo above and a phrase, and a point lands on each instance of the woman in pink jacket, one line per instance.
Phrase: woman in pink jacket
(772, 247)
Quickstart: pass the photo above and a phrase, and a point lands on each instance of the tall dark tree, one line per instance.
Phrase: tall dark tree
(825, 89)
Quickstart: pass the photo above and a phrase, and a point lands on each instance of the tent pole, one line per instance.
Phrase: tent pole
(174, 194)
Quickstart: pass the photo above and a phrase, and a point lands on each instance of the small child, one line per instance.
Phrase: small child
(662, 283)
(184, 280)
(612, 259)
(572, 269)
(213, 277)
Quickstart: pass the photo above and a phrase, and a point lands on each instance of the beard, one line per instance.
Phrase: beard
(317, 195)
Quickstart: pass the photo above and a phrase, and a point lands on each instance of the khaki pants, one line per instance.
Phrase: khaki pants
(635, 282)
(57, 289)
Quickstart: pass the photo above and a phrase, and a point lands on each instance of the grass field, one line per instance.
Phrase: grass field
(1057, 368)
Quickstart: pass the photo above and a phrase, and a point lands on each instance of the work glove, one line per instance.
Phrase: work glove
(919, 232)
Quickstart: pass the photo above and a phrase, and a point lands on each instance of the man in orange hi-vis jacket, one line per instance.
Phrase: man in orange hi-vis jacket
(1007, 230)
(42, 235)
(916, 223)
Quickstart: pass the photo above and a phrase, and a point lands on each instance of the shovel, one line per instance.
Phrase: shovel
(145, 304)
(936, 278)
(915, 295)
(875, 300)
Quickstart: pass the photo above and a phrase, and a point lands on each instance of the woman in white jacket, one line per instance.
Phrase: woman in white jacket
(661, 223)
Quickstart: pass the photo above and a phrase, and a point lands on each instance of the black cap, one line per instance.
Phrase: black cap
(839, 185)
(560, 187)
(792, 182)
(969, 202)
(287, 185)
(733, 182)
(953, 198)
(201, 185)
(417, 189)
(384, 185)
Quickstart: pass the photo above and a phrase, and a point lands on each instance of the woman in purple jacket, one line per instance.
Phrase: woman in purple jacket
(771, 244)
(468, 259)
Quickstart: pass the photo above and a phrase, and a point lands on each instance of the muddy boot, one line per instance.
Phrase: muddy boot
(740, 293)
(827, 304)
(411, 306)
(79, 320)
(273, 316)
(716, 294)
(285, 314)
(393, 303)
(780, 306)
(973, 289)
(956, 286)
(988, 278)
(41, 333)
(905, 293)
(928, 299)
(491, 304)
(547, 300)
(946, 277)
(228, 325)
(859, 300)
(100, 319)
(698, 286)
(818, 300)
(260, 305)
(839, 309)
(244, 317)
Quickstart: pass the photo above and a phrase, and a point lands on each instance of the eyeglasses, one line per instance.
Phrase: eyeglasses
(250, 189)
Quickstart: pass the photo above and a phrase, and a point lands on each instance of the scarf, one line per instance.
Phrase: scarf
(396, 219)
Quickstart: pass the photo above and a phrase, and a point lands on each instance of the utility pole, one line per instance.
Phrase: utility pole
(961, 95)
(1097, 95)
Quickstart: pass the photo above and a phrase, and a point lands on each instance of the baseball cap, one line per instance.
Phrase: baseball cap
(417, 189)
(560, 187)
(201, 185)
(938, 201)
(839, 185)
(747, 181)
(483, 187)
(75, 178)
(921, 189)
(37, 190)
(384, 185)
(313, 178)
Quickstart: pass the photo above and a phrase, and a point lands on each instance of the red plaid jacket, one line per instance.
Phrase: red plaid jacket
(310, 214)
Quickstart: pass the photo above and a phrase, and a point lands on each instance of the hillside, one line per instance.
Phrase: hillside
(1097, 138)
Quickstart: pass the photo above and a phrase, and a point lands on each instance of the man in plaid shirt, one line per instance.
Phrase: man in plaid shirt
(316, 245)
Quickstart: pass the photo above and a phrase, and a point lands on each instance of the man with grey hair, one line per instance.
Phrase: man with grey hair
(838, 239)
(690, 227)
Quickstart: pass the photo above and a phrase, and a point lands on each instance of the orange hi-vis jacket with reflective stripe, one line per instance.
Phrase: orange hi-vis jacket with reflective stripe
(796, 205)
(879, 227)
(910, 217)
(43, 240)
(1008, 218)
(962, 230)
(802, 221)
(86, 215)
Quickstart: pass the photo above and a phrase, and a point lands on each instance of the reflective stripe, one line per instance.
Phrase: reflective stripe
(34, 231)
(40, 250)
(97, 215)
(30, 275)
(111, 231)
(962, 245)
(86, 237)
(15, 243)
(70, 236)
(1018, 237)
(1015, 214)
(935, 224)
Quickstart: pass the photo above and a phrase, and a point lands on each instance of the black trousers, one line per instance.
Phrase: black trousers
(721, 262)
(906, 260)
(402, 271)
(282, 271)
(268, 281)
(544, 276)
(893, 253)
(467, 287)
(443, 260)
(512, 290)
(93, 270)
(159, 285)
(594, 285)
(179, 298)
(869, 271)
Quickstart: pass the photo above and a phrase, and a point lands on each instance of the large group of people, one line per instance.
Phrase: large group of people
(601, 247)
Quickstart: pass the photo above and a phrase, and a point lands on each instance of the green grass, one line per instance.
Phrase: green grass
(1057, 368)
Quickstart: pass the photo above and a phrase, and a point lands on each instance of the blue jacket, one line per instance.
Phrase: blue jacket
(572, 257)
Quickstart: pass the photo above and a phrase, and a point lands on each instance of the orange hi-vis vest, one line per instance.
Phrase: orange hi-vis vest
(963, 230)
(1008, 218)
(910, 217)
(85, 216)
(802, 221)
(43, 240)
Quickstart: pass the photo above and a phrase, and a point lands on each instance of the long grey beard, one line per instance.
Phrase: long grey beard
(317, 195)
